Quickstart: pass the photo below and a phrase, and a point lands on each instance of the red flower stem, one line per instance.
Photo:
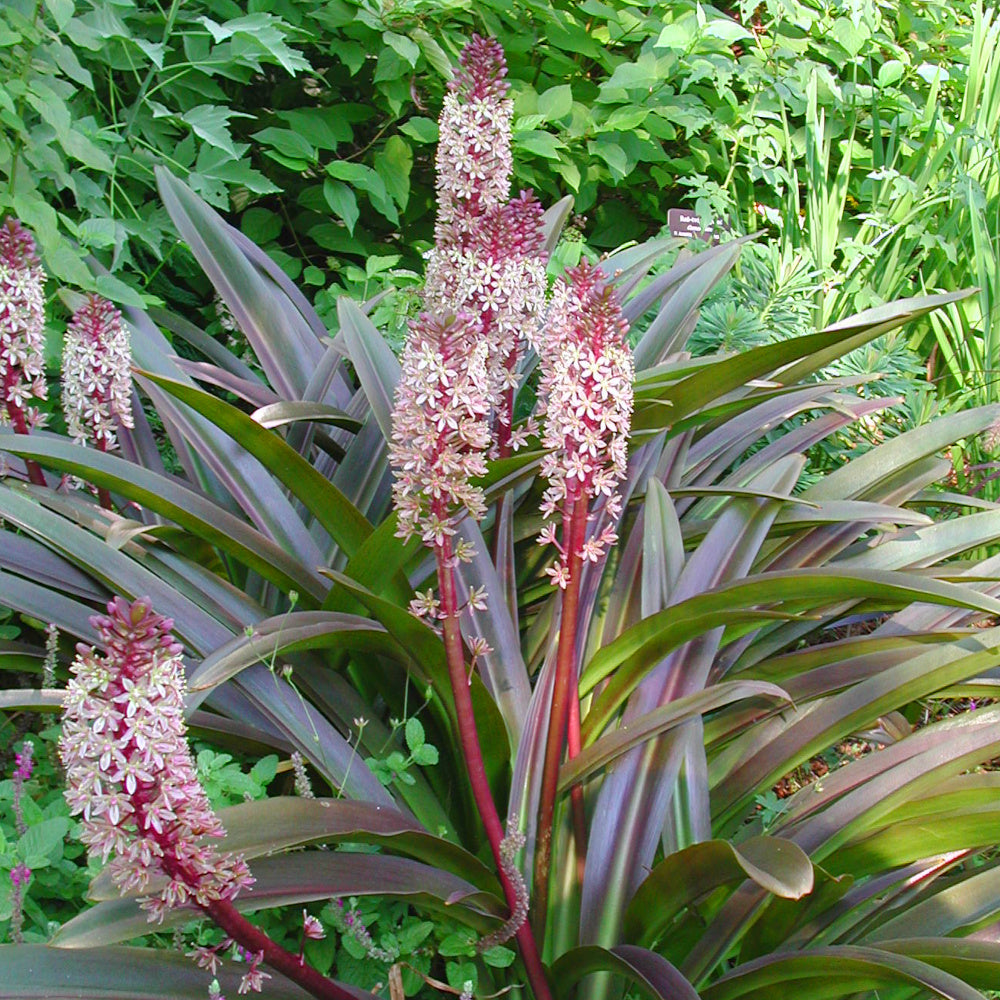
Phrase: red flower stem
(255, 940)
(20, 425)
(563, 688)
(103, 494)
(473, 755)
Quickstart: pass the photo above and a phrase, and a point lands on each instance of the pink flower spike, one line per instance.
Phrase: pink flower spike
(97, 381)
(474, 161)
(129, 770)
(586, 400)
(440, 429)
(22, 327)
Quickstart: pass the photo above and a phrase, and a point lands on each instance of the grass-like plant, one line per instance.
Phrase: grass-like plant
(610, 704)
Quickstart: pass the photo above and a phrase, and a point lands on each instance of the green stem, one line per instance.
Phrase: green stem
(563, 688)
(473, 755)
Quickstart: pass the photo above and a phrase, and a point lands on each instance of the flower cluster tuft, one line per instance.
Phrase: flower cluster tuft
(474, 161)
(586, 400)
(488, 259)
(129, 770)
(96, 378)
(440, 427)
(22, 327)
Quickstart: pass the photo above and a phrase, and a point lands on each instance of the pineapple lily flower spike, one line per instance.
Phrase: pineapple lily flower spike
(439, 440)
(131, 776)
(488, 257)
(22, 333)
(586, 405)
(96, 377)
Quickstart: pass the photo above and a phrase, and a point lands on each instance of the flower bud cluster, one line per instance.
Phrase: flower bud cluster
(22, 327)
(96, 379)
(440, 427)
(129, 770)
(586, 400)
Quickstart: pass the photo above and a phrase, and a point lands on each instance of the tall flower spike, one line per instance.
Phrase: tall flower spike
(129, 771)
(22, 327)
(586, 402)
(97, 383)
(473, 156)
(497, 275)
(440, 429)
(488, 257)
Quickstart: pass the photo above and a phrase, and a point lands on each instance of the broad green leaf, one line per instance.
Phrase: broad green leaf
(555, 103)
(343, 201)
(40, 840)
(779, 866)
(394, 166)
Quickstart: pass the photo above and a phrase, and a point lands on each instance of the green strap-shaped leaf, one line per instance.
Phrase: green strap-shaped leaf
(293, 879)
(975, 962)
(291, 632)
(290, 411)
(347, 526)
(41, 972)
(427, 650)
(835, 972)
(269, 826)
(650, 972)
(640, 648)
(182, 505)
(376, 365)
(612, 745)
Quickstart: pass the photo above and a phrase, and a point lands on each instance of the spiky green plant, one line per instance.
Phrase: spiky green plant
(740, 626)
